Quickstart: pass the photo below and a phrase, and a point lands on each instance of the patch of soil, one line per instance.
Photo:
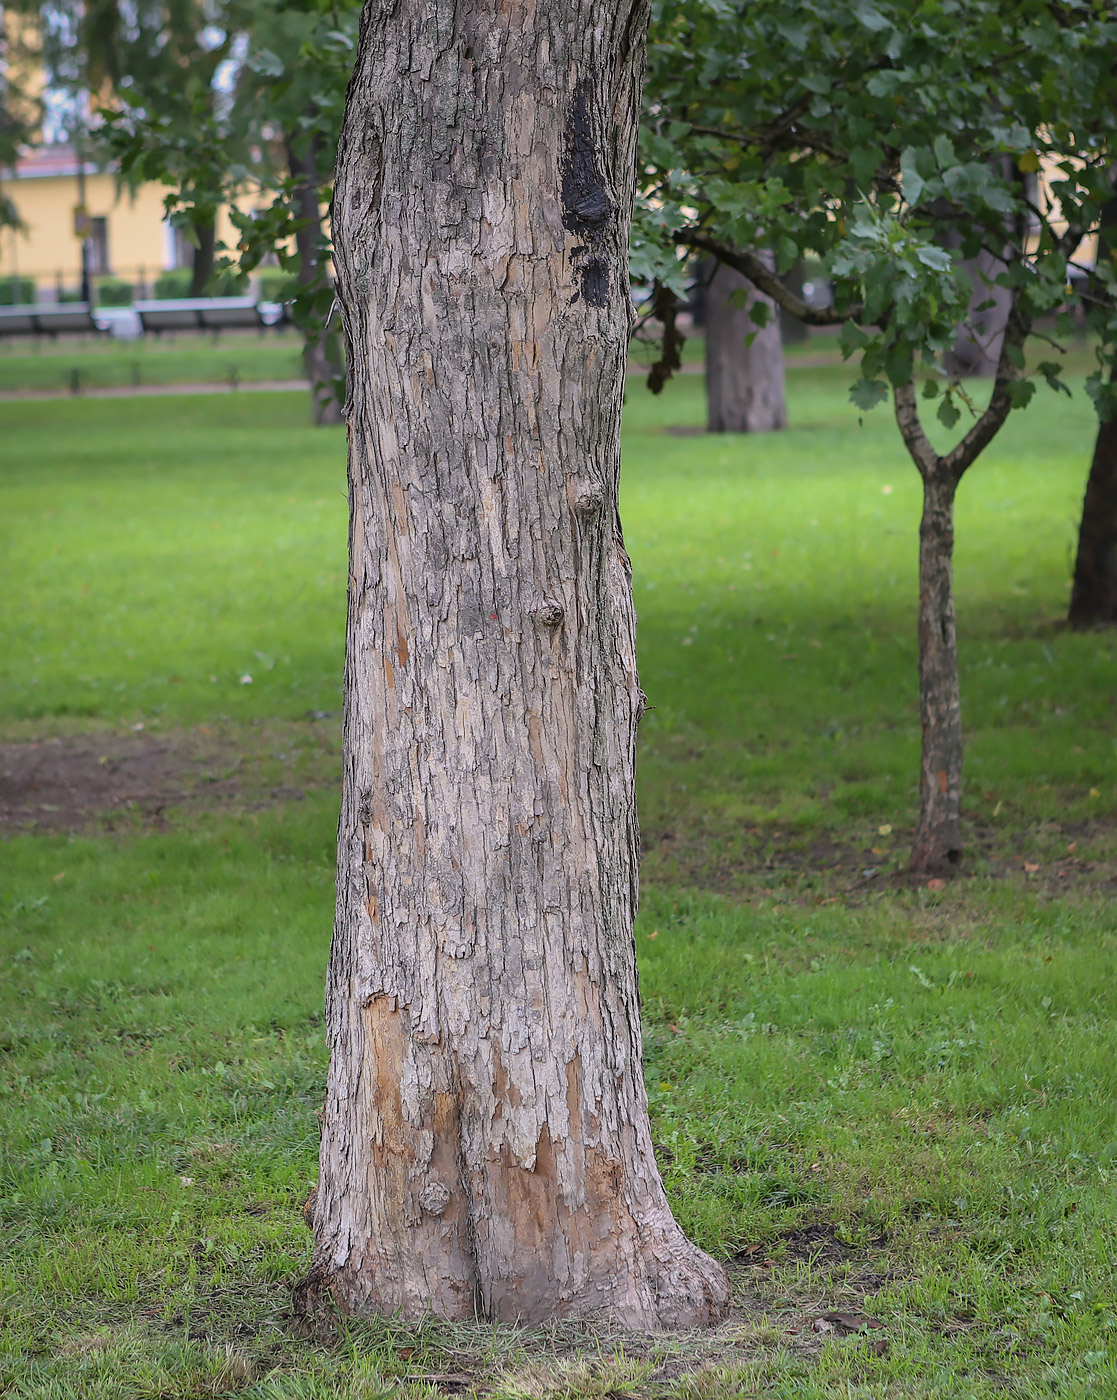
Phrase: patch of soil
(785, 864)
(101, 781)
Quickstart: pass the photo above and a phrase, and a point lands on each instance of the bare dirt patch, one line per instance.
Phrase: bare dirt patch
(821, 867)
(101, 781)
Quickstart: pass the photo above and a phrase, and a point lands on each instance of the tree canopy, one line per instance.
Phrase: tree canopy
(895, 142)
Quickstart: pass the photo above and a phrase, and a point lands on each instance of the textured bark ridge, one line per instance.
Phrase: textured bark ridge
(486, 1146)
(744, 381)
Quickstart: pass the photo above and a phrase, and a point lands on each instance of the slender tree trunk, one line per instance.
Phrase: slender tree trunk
(322, 355)
(744, 382)
(1094, 595)
(937, 848)
(205, 231)
(486, 1146)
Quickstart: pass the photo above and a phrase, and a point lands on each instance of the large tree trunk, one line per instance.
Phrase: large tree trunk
(202, 265)
(744, 382)
(322, 357)
(937, 848)
(486, 1148)
(1094, 595)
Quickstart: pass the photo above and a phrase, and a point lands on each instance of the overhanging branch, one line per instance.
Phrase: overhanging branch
(964, 453)
(752, 266)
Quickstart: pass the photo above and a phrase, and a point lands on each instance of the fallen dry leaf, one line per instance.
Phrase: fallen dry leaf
(936, 884)
(1030, 868)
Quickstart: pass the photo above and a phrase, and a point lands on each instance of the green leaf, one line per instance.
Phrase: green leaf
(867, 393)
(937, 258)
(851, 337)
(898, 364)
(943, 148)
(1020, 392)
(931, 388)
(870, 16)
(913, 178)
(948, 413)
(263, 61)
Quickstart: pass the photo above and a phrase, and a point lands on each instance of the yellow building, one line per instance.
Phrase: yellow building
(128, 235)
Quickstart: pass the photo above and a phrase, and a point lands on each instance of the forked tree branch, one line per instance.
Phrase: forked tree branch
(964, 453)
(752, 266)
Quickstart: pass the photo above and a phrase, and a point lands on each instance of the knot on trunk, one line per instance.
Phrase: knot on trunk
(590, 499)
(549, 613)
(434, 1197)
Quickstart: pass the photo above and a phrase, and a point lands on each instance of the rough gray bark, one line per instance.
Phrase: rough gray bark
(486, 1146)
(744, 382)
(322, 357)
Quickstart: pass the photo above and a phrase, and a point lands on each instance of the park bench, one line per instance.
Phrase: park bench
(201, 314)
(62, 318)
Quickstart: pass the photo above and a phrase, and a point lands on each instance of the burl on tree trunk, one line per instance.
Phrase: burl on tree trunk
(1094, 595)
(486, 1147)
(744, 377)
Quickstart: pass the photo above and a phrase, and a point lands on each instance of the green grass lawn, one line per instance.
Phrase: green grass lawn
(893, 1101)
(166, 359)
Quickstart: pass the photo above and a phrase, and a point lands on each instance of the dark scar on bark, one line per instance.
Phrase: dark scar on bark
(587, 206)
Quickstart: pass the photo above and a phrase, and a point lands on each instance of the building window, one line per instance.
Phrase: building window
(98, 247)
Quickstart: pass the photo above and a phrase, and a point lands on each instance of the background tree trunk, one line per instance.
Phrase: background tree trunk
(792, 330)
(744, 383)
(1094, 595)
(322, 354)
(937, 847)
(205, 232)
(977, 351)
(486, 1147)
